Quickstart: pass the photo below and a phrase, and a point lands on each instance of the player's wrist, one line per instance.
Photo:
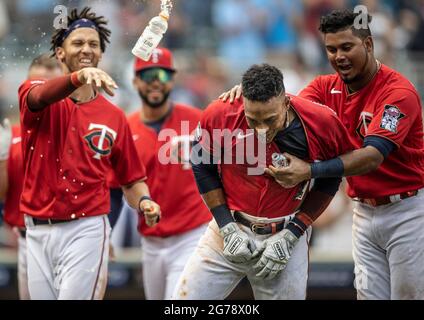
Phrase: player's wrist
(222, 215)
(297, 226)
(143, 198)
(77, 78)
(327, 169)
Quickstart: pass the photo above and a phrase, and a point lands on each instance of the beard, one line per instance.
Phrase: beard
(154, 104)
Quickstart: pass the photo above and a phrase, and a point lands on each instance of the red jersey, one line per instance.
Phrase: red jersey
(172, 185)
(15, 173)
(388, 107)
(260, 195)
(68, 150)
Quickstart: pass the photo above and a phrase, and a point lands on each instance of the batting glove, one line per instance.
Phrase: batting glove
(277, 250)
(5, 139)
(238, 247)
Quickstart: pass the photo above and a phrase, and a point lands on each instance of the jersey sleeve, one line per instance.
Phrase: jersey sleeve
(28, 116)
(125, 161)
(395, 116)
(313, 91)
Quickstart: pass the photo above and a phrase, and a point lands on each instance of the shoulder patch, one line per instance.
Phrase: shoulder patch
(391, 117)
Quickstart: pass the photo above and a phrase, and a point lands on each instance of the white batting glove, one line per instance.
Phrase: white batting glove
(5, 139)
(277, 250)
(238, 247)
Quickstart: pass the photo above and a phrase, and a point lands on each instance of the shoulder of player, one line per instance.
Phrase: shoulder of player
(302, 105)
(186, 111)
(392, 80)
(219, 109)
(29, 83)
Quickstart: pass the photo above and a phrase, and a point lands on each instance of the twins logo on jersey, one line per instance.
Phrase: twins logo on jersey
(391, 118)
(100, 139)
(364, 122)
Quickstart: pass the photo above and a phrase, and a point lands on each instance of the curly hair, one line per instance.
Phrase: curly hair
(340, 20)
(100, 22)
(262, 82)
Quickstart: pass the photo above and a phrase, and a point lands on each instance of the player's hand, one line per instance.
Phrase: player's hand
(238, 248)
(290, 176)
(5, 139)
(151, 211)
(98, 78)
(234, 93)
(277, 251)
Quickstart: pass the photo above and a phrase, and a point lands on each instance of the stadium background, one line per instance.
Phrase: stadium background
(213, 42)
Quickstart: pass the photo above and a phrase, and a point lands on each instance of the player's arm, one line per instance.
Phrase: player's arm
(59, 88)
(208, 181)
(138, 197)
(357, 162)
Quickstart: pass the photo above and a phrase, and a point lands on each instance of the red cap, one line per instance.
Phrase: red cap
(160, 58)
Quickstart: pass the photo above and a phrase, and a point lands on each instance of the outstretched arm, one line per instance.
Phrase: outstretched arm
(59, 88)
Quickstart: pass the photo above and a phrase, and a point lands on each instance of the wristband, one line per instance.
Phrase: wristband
(142, 199)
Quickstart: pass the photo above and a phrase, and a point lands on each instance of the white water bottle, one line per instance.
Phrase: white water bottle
(151, 36)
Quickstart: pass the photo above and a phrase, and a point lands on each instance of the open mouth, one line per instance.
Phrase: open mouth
(344, 69)
(86, 62)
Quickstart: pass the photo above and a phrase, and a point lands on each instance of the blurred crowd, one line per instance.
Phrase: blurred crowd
(213, 42)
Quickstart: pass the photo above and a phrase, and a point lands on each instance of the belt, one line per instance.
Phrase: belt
(260, 228)
(22, 232)
(387, 199)
(48, 221)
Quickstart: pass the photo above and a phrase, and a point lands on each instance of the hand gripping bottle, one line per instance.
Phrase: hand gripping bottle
(151, 36)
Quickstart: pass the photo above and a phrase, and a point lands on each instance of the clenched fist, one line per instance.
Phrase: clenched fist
(151, 211)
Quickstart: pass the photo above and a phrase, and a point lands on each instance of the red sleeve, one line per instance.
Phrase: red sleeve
(27, 116)
(313, 91)
(125, 162)
(395, 116)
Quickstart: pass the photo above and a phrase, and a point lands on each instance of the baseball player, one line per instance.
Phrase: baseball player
(260, 229)
(71, 138)
(382, 111)
(168, 245)
(11, 168)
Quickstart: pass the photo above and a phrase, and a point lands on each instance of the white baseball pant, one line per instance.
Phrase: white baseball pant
(388, 249)
(68, 261)
(163, 260)
(208, 275)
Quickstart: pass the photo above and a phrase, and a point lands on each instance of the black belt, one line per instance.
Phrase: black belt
(22, 232)
(37, 222)
(260, 228)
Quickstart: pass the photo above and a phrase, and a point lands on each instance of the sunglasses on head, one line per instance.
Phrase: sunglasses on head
(152, 74)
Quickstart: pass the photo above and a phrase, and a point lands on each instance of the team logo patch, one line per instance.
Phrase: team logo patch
(391, 118)
(100, 140)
